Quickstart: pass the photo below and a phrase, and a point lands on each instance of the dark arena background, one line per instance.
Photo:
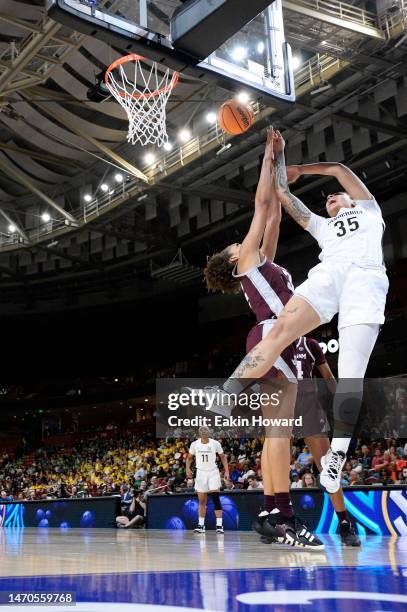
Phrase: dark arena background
(103, 246)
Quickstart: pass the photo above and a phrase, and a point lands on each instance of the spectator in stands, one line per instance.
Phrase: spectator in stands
(366, 457)
(377, 461)
(308, 480)
(5, 496)
(254, 484)
(305, 458)
(385, 478)
(126, 495)
(235, 473)
(296, 483)
(354, 478)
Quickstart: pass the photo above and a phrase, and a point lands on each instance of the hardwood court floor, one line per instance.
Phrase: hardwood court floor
(174, 570)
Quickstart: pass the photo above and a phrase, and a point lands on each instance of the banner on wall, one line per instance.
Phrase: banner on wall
(63, 513)
(374, 511)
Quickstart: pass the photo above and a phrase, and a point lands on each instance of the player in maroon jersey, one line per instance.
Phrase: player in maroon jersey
(267, 287)
(309, 355)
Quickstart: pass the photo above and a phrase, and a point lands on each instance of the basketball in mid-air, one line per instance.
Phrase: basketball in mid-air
(235, 117)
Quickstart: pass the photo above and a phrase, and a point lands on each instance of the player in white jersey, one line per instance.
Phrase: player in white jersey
(350, 280)
(207, 478)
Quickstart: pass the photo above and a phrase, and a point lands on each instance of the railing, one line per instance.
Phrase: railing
(169, 162)
(341, 10)
(394, 20)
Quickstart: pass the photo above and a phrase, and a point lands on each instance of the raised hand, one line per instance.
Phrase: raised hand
(279, 143)
(293, 174)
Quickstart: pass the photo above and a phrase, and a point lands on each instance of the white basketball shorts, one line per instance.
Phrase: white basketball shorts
(358, 294)
(207, 480)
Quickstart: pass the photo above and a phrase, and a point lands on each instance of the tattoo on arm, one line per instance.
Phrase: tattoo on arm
(295, 208)
(281, 174)
(251, 361)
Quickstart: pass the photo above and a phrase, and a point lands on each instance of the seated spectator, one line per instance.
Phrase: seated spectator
(308, 480)
(365, 458)
(228, 485)
(126, 495)
(379, 461)
(354, 478)
(356, 466)
(235, 473)
(254, 484)
(134, 517)
(5, 496)
(305, 458)
(385, 477)
(296, 483)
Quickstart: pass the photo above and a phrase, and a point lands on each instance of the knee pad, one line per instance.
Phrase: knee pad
(347, 407)
(216, 501)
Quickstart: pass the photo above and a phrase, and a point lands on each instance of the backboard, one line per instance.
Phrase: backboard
(256, 55)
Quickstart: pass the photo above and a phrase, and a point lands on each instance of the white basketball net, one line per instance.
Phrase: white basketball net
(144, 96)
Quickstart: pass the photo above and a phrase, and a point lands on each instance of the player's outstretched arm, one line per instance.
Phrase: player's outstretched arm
(249, 251)
(295, 208)
(272, 231)
(344, 175)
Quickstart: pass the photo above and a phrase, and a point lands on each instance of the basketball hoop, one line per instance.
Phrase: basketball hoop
(143, 92)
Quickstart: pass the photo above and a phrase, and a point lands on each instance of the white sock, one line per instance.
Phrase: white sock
(218, 522)
(356, 343)
(201, 521)
(340, 444)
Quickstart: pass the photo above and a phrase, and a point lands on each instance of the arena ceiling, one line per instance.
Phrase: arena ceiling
(57, 149)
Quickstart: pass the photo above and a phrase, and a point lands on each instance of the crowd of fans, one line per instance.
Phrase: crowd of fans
(134, 465)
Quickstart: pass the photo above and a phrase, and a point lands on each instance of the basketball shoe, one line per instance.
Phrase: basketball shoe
(258, 525)
(348, 535)
(290, 531)
(199, 529)
(332, 464)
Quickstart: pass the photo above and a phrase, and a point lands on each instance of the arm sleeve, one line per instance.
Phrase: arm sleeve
(316, 351)
(192, 449)
(316, 226)
(370, 205)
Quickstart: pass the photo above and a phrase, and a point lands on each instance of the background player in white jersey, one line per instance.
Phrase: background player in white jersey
(350, 280)
(309, 356)
(207, 478)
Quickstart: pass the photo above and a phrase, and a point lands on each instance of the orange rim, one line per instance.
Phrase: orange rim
(133, 57)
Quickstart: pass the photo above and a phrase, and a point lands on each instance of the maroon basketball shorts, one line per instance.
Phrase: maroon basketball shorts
(285, 363)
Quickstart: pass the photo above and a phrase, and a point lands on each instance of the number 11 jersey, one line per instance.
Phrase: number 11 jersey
(205, 454)
(353, 236)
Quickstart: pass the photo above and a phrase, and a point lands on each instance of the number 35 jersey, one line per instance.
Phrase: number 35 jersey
(353, 236)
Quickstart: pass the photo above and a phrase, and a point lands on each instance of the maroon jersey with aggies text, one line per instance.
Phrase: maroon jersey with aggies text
(308, 354)
(267, 288)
